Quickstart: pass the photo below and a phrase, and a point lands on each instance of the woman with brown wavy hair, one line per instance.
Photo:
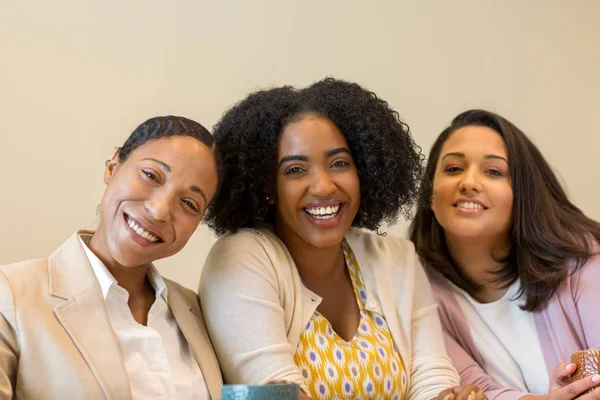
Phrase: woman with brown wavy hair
(513, 263)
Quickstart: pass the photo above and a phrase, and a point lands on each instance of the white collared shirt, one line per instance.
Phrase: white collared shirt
(157, 357)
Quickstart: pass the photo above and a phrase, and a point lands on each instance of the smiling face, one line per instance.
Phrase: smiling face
(154, 200)
(472, 192)
(317, 186)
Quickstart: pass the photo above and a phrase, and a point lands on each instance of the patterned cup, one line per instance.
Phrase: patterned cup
(277, 391)
(588, 363)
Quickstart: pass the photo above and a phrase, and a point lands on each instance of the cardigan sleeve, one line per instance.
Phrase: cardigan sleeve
(240, 299)
(9, 358)
(431, 368)
(460, 345)
(472, 373)
(587, 297)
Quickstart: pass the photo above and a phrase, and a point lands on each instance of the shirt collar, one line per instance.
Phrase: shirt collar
(106, 280)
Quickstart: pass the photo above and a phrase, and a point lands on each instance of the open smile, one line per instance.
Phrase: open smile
(326, 216)
(470, 205)
(323, 213)
(142, 232)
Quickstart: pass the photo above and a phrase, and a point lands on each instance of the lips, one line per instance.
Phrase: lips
(323, 212)
(142, 231)
(470, 205)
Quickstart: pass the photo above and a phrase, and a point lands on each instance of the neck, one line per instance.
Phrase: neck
(475, 259)
(316, 264)
(132, 279)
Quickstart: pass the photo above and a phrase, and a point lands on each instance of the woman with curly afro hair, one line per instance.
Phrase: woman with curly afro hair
(293, 291)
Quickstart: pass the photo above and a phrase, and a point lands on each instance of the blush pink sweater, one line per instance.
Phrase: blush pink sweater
(569, 322)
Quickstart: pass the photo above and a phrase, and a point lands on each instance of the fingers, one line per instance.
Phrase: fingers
(578, 388)
(462, 392)
(446, 395)
(468, 392)
(560, 375)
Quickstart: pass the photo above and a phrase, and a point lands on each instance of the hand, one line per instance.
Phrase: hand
(462, 392)
(561, 389)
(304, 396)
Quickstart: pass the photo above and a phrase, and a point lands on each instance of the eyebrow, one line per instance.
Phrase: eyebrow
(162, 164)
(298, 157)
(196, 189)
(166, 168)
(487, 156)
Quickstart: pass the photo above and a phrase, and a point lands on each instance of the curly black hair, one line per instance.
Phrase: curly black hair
(388, 161)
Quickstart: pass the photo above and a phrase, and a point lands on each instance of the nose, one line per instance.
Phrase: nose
(322, 184)
(471, 181)
(158, 206)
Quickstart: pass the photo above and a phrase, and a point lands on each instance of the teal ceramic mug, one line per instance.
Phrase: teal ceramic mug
(276, 391)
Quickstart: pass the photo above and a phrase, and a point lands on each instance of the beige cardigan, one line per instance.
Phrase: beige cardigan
(56, 341)
(256, 307)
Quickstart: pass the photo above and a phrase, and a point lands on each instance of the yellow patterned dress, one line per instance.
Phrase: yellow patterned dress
(367, 367)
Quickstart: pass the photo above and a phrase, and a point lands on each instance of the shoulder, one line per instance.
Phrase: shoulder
(384, 248)
(246, 245)
(23, 275)
(588, 275)
(189, 295)
(248, 254)
(246, 239)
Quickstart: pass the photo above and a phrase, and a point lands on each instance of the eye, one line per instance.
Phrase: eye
(294, 170)
(495, 172)
(340, 164)
(452, 169)
(150, 175)
(190, 205)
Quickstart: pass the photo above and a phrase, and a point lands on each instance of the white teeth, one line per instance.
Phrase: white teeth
(141, 231)
(470, 205)
(323, 212)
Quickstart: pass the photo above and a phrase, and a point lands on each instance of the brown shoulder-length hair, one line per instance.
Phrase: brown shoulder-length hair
(550, 236)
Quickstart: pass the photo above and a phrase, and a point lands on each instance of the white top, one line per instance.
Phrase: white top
(157, 357)
(256, 307)
(507, 340)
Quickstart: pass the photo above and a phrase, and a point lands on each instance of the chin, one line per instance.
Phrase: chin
(326, 240)
(127, 261)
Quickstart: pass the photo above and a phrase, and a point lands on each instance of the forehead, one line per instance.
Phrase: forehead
(474, 141)
(311, 134)
(172, 148)
(187, 158)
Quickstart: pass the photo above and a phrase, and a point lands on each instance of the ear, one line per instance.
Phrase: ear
(271, 192)
(111, 167)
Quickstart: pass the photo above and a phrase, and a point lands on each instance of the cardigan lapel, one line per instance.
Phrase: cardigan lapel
(83, 315)
(190, 321)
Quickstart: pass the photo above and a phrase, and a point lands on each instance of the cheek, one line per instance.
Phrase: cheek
(505, 198)
(440, 192)
(184, 229)
(289, 194)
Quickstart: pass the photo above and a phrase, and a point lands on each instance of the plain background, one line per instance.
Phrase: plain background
(76, 77)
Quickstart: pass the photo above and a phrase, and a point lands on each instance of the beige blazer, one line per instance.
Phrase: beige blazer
(56, 341)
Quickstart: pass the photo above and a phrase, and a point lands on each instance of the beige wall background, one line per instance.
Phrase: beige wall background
(77, 77)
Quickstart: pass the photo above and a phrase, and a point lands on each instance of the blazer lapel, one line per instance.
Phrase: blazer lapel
(190, 321)
(83, 315)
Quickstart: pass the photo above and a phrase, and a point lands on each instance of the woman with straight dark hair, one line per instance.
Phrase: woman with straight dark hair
(513, 263)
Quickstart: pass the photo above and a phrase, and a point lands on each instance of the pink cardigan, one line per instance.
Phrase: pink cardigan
(570, 322)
